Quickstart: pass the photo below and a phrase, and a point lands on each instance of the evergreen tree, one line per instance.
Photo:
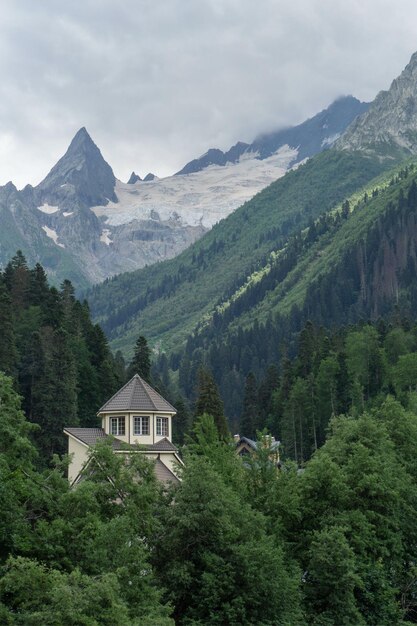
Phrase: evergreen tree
(141, 362)
(17, 280)
(268, 385)
(209, 401)
(54, 396)
(249, 421)
(38, 285)
(8, 350)
(181, 422)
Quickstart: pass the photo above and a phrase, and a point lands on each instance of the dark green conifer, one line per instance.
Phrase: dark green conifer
(249, 421)
(141, 362)
(210, 402)
(8, 351)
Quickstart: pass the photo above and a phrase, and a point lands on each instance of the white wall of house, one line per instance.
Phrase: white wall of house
(79, 456)
(130, 435)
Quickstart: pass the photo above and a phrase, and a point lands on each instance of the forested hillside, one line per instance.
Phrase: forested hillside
(119, 549)
(168, 301)
(59, 359)
(358, 261)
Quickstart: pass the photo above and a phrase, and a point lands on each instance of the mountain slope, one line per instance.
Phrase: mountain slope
(170, 300)
(346, 267)
(389, 126)
(176, 299)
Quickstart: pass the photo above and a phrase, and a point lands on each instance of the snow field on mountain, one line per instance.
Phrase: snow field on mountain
(202, 198)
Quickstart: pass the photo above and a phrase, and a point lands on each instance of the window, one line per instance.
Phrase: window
(141, 425)
(162, 427)
(117, 425)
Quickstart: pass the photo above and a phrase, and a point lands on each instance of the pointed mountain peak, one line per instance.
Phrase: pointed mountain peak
(149, 177)
(83, 172)
(134, 178)
(82, 142)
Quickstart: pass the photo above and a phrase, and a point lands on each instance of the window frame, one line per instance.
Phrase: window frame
(119, 421)
(141, 419)
(162, 424)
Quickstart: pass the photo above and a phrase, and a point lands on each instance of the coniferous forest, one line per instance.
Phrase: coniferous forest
(325, 536)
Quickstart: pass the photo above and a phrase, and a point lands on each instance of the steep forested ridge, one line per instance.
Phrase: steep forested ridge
(167, 301)
(355, 263)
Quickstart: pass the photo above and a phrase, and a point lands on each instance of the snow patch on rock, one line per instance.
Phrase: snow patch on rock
(48, 209)
(105, 237)
(328, 141)
(52, 234)
(67, 213)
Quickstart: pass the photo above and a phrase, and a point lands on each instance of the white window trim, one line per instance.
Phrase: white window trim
(117, 420)
(141, 419)
(160, 422)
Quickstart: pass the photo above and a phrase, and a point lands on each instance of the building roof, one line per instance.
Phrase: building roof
(254, 444)
(91, 436)
(163, 445)
(137, 395)
(164, 474)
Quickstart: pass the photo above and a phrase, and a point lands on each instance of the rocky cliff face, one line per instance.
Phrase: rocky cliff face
(389, 126)
(82, 173)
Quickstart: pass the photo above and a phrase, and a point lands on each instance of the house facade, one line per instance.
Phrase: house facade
(137, 419)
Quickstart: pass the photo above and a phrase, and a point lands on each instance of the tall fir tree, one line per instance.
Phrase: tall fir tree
(249, 421)
(8, 350)
(210, 402)
(141, 362)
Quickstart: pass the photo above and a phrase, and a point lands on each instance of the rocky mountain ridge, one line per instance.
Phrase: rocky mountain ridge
(83, 224)
(389, 127)
(307, 138)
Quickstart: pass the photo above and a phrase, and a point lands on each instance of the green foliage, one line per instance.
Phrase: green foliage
(218, 265)
(209, 401)
(355, 267)
(36, 595)
(141, 362)
(218, 563)
(61, 362)
(358, 499)
(332, 579)
(204, 441)
(250, 418)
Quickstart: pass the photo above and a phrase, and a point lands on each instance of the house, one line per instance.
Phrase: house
(246, 446)
(136, 419)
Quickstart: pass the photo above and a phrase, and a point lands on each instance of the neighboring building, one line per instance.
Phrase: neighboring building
(136, 415)
(245, 446)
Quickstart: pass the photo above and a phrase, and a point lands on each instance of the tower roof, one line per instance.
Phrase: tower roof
(137, 395)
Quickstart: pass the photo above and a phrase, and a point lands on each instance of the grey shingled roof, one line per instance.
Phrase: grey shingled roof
(164, 474)
(90, 436)
(163, 445)
(137, 395)
(253, 444)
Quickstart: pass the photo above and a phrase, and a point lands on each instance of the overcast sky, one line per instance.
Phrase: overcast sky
(156, 83)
